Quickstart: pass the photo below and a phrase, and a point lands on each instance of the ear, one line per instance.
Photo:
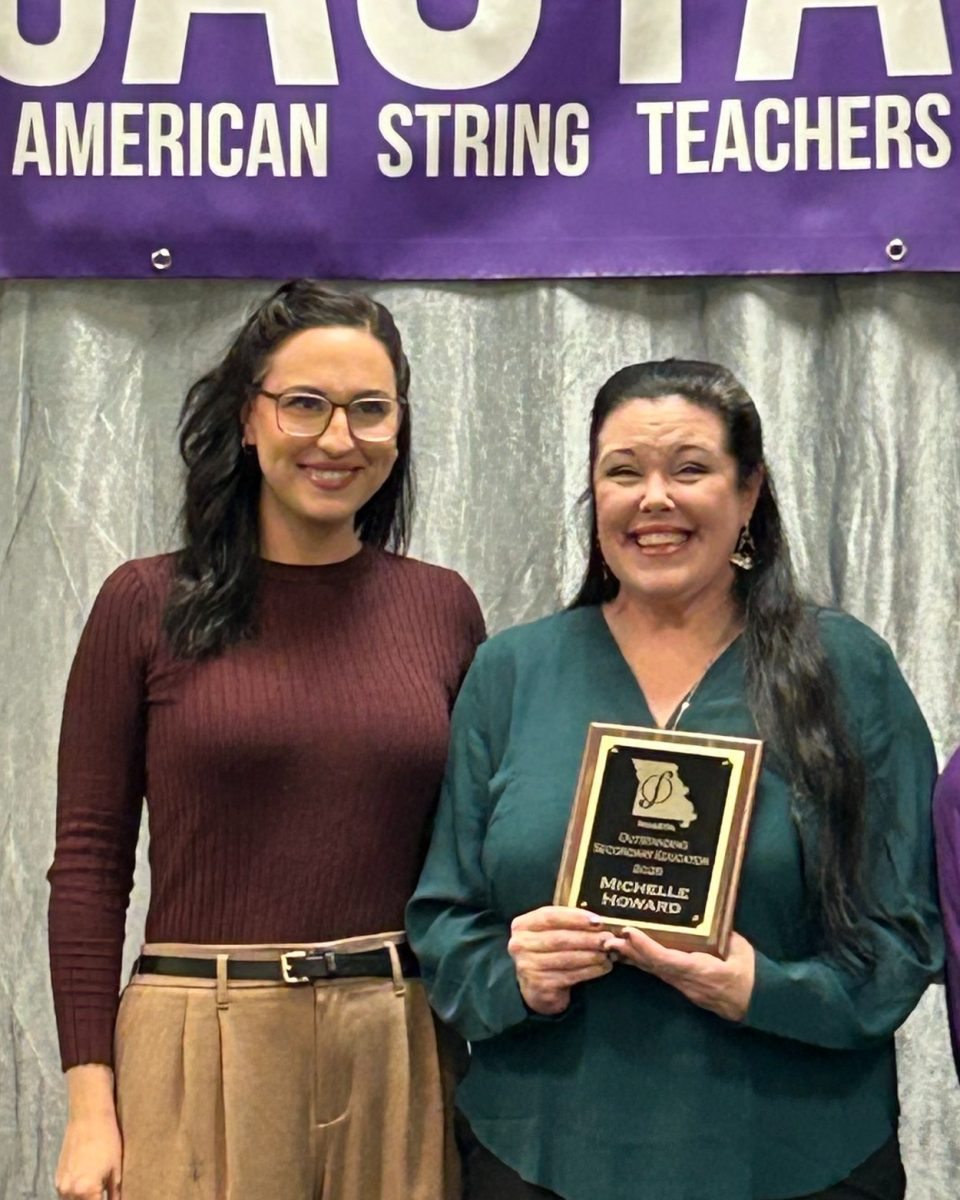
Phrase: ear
(248, 436)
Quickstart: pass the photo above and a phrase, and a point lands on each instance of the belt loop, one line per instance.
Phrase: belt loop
(396, 969)
(223, 988)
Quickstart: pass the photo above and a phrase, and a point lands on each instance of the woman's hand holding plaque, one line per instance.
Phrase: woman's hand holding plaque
(722, 985)
(553, 948)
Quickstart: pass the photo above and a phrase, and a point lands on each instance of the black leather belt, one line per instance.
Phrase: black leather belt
(295, 966)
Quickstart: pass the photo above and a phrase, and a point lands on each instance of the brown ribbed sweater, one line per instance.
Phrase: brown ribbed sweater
(289, 782)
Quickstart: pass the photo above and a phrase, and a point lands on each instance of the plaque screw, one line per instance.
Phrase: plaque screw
(162, 259)
(896, 250)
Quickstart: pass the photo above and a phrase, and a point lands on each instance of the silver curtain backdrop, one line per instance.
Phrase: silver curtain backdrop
(858, 382)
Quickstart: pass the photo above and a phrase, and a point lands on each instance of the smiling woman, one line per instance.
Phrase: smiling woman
(768, 1074)
(325, 434)
(669, 506)
(278, 692)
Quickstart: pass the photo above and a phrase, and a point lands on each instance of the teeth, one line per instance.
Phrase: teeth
(661, 539)
(334, 475)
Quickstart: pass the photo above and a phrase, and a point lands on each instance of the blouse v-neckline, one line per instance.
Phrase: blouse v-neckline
(692, 698)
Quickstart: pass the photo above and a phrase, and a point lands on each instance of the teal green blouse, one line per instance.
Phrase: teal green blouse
(635, 1093)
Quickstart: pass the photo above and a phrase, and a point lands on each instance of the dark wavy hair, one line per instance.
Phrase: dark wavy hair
(791, 687)
(212, 598)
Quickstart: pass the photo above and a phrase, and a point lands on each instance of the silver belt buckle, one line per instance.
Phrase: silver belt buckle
(328, 972)
(288, 975)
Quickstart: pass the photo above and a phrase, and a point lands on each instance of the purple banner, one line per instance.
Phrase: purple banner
(443, 139)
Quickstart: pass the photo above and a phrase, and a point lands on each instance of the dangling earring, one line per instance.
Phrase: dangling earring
(745, 555)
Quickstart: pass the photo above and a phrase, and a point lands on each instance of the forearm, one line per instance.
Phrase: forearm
(91, 1158)
(818, 1002)
(86, 930)
(468, 972)
(90, 1094)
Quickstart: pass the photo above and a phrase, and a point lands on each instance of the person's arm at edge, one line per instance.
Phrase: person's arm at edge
(819, 1000)
(98, 814)
(946, 819)
(460, 940)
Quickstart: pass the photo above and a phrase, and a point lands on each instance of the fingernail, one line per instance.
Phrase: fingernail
(594, 919)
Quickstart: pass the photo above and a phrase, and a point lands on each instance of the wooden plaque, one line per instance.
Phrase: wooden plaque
(658, 830)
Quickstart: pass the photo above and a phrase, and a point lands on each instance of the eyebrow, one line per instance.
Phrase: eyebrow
(363, 394)
(630, 452)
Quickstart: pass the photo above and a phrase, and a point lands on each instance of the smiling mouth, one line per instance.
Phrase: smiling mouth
(330, 478)
(661, 539)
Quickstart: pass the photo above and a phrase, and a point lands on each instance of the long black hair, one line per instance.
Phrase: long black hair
(791, 687)
(212, 599)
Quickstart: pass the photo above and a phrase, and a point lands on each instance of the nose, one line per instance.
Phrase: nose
(337, 438)
(656, 495)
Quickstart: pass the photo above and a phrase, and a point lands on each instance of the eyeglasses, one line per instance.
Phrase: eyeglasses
(308, 414)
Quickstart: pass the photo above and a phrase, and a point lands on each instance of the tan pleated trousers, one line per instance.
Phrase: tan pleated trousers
(332, 1090)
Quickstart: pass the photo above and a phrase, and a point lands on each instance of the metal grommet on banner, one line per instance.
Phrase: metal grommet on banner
(161, 259)
(896, 250)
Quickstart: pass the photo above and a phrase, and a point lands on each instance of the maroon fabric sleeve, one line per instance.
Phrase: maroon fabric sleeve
(100, 791)
(468, 625)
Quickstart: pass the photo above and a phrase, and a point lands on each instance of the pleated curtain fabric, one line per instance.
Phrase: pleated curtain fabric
(858, 383)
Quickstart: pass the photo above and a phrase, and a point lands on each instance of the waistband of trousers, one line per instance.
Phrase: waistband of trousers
(270, 951)
(342, 960)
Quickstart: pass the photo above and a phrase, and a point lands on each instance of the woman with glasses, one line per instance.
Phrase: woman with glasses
(278, 691)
